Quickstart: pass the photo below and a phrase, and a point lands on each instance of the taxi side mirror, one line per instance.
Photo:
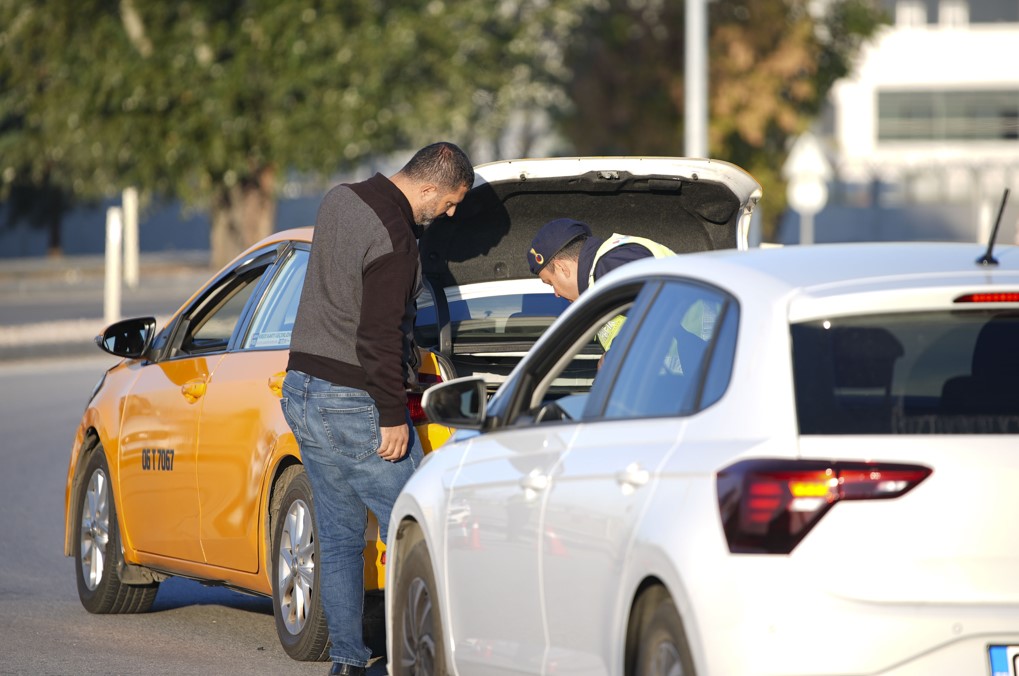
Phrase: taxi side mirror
(129, 338)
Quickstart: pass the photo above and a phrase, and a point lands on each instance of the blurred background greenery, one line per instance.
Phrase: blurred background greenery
(216, 103)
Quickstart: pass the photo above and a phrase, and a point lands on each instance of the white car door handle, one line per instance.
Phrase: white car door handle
(535, 481)
(633, 477)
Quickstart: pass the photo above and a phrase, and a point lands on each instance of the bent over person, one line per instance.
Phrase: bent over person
(567, 256)
(351, 359)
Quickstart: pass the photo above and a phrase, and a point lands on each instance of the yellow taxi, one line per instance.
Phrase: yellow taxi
(183, 464)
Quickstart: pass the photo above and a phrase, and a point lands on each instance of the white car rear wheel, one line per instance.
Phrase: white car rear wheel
(662, 649)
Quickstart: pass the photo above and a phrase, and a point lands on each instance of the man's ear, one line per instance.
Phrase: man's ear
(427, 190)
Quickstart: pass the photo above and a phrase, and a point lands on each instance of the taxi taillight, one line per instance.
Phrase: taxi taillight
(417, 413)
(768, 506)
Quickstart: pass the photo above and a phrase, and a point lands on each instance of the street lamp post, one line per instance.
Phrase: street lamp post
(695, 80)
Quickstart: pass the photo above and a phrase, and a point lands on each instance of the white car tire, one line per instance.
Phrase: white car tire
(662, 648)
(418, 642)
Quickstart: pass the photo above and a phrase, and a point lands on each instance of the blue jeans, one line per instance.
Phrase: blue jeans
(337, 430)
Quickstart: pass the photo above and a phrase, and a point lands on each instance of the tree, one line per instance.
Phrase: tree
(771, 65)
(212, 102)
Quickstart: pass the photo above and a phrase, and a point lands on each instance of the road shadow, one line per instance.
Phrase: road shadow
(177, 592)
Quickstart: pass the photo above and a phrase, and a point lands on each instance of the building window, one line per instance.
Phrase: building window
(953, 13)
(915, 13)
(982, 115)
(910, 13)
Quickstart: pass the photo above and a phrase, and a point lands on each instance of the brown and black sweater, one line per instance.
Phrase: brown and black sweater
(355, 322)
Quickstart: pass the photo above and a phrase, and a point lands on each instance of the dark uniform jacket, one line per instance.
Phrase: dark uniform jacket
(620, 255)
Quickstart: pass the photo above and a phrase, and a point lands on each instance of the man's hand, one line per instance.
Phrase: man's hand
(395, 441)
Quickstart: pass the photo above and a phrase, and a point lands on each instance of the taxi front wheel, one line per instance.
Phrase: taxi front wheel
(97, 548)
(300, 620)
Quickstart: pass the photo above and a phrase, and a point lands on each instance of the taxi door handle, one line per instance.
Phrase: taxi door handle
(633, 477)
(193, 390)
(276, 383)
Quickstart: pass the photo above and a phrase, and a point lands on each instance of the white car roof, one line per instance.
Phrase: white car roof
(832, 279)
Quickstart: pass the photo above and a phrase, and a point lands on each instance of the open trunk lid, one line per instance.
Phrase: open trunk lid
(484, 308)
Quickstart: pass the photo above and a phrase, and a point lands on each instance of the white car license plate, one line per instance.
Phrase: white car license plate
(1003, 660)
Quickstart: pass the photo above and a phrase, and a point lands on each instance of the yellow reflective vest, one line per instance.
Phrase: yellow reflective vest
(608, 332)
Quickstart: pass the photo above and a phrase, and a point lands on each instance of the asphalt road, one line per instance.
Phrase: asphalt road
(43, 628)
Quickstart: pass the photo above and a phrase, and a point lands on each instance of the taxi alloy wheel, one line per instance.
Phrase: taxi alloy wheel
(300, 620)
(662, 649)
(97, 548)
(418, 644)
(94, 534)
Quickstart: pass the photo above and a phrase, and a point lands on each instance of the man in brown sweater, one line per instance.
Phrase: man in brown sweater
(351, 358)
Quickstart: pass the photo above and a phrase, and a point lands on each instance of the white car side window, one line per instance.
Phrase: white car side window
(663, 368)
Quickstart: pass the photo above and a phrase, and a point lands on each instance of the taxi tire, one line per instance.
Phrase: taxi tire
(311, 642)
(96, 523)
(662, 647)
(418, 643)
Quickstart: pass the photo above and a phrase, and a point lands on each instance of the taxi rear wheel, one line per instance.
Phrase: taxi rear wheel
(300, 620)
(418, 645)
(97, 548)
(662, 648)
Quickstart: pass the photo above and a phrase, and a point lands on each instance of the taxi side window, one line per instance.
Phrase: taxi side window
(665, 367)
(209, 324)
(209, 328)
(274, 319)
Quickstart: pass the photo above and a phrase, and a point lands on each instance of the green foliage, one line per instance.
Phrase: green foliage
(194, 98)
(210, 101)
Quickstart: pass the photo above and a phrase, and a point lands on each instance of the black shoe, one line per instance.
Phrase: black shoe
(345, 670)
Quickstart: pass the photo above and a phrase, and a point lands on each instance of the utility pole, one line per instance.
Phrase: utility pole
(696, 80)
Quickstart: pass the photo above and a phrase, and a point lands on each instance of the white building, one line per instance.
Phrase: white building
(929, 119)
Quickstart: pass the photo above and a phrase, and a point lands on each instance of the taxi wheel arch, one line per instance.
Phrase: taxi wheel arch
(656, 641)
(418, 643)
(300, 619)
(97, 547)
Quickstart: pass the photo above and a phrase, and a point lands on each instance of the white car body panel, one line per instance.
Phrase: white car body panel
(919, 584)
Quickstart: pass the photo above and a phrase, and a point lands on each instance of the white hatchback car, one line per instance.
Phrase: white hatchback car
(792, 461)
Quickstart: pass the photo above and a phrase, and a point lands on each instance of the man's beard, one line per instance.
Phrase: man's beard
(424, 216)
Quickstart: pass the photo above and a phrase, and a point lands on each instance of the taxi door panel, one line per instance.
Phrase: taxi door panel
(239, 426)
(157, 459)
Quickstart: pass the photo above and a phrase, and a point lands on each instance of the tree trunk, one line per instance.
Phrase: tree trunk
(242, 214)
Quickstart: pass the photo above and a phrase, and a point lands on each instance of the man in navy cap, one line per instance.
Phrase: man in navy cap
(567, 256)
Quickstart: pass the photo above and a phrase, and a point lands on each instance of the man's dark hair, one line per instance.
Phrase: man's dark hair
(442, 163)
(571, 251)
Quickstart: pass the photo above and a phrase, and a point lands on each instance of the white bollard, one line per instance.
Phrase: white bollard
(114, 239)
(130, 203)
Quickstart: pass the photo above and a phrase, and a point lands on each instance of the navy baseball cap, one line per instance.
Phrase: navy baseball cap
(552, 238)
